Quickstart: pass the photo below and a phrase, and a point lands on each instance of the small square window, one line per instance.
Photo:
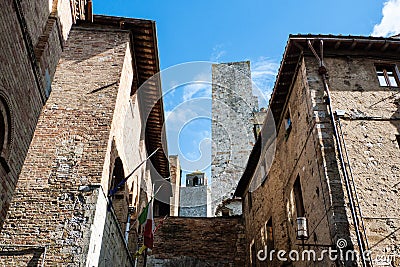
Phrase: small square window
(387, 75)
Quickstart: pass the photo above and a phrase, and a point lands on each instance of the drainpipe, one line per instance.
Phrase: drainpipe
(322, 71)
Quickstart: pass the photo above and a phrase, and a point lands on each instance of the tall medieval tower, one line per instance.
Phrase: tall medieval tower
(195, 196)
(233, 106)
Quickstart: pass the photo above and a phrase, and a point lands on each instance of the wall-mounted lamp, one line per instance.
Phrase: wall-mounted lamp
(302, 231)
(302, 234)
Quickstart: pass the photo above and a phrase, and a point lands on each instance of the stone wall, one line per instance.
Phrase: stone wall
(297, 154)
(26, 27)
(308, 151)
(175, 170)
(198, 242)
(86, 123)
(369, 127)
(233, 105)
(105, 230)
(194, 201)
(96, 239)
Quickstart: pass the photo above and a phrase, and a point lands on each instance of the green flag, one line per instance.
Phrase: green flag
(143, 216)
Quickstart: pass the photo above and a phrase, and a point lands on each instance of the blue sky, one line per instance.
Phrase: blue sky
(226, 31)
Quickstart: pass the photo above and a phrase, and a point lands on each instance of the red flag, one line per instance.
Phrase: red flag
(149, 228)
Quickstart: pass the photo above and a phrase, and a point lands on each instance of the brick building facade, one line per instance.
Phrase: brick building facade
(79, 115)
(199, 242)
(336, 110)
(33, 34)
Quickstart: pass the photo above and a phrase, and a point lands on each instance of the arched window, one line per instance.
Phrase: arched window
(2, 131)
(119, 198)
(5, 133)
(117, 174)
(195, 181)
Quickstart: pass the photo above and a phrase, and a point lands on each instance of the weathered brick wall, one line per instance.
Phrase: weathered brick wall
(99, 240)
(107, 246)
(19, 88)
(199, 242)
(232, 127)
(36, 13)
(78, 229)
(71, 144)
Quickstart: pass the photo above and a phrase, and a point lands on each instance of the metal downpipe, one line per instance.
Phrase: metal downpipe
(322, 71)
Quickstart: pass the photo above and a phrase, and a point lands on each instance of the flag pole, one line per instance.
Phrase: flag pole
(145, 258)
(115, 189)
(145, 251)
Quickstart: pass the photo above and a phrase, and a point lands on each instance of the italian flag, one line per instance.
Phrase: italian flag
(149, 226)
(143, 215)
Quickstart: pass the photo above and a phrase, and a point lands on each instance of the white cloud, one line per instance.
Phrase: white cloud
(186, 112)
(390, 23)
(263, 74)
(189, 133)
(200, 86)
(197, 88)
(217, 53)
(176, 119)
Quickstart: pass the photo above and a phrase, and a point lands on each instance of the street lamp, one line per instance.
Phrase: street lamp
(302, 231)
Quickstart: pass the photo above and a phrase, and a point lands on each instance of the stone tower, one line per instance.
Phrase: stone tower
(233, 105)
(195, 197)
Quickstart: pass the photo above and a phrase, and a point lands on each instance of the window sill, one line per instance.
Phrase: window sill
(389, 87)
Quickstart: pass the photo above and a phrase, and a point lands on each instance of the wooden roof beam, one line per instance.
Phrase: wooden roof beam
(353, 44)
(337, 44)
(298, 46)
(384, 46)
(290, 62)
(368, 47)
(145, 67)
(289, 73)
